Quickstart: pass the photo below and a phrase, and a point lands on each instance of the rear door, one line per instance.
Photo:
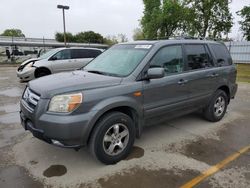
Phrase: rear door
(166, 96)
(226, 70)
(201, 74)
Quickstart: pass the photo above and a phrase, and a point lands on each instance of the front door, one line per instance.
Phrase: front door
(166, 96)
(62, 61)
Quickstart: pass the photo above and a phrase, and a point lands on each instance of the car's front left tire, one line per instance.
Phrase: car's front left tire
(112, 138)
(42, 72)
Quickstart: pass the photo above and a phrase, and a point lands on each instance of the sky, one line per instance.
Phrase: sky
(41, 18)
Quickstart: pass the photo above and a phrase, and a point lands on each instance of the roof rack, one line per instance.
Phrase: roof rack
(184, 37)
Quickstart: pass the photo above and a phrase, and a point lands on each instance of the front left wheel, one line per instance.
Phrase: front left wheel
(42, 72)
(113, 138)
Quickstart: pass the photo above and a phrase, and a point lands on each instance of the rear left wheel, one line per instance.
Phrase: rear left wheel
(217, 107)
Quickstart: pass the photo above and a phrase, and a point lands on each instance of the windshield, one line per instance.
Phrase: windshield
(48, 54)
(119, 60)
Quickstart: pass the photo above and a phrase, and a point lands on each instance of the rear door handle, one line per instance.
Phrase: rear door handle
(182, 82)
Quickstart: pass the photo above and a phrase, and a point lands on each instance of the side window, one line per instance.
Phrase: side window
(63, 54)
(198, 57)
(85, 53)
(170, 58)
(92, 53)
(222, 54)
(76, 53)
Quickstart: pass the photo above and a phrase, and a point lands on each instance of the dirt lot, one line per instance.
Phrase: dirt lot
(167, 155)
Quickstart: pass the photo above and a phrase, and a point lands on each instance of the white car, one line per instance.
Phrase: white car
(56, 60)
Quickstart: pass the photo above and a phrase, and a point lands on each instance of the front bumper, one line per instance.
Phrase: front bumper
(26, 75)
(68, 131)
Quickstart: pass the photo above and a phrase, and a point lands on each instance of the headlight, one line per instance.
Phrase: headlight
(29, 65)
(65, 103)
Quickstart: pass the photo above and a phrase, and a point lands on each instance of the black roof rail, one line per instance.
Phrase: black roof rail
(194, 38)
(182, 37)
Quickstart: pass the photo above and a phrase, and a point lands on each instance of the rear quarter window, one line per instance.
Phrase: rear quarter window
(222, 55)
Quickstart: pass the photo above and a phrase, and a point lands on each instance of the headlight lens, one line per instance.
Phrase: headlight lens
(28, 66)
(65, 103)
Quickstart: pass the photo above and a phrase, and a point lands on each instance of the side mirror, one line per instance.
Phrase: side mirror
(155, 73)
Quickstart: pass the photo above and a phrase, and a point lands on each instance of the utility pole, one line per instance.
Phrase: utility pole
(63, 7)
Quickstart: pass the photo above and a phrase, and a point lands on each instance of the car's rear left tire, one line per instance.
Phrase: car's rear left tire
(112, 138)
(217, 107)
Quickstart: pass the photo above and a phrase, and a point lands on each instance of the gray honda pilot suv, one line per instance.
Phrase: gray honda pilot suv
(106, 105)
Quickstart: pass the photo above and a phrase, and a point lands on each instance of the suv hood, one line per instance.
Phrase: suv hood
(66, 82)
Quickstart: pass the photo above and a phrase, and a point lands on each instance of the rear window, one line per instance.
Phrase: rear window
(85, 53)
(222, 54)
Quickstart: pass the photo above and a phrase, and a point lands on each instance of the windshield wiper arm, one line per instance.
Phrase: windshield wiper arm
(96, 72)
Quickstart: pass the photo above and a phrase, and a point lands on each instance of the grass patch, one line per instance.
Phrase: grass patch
(243, 74)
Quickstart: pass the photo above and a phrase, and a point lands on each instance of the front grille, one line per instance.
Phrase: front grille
(31, 98)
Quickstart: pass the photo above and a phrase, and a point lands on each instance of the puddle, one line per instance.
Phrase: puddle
(15, 176)
(233, 137)
(139, 177)
(136, 152)
(55, 170)
(13, 92)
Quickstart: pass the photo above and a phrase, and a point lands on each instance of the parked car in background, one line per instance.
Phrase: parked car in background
(56, 60)
(129, 86)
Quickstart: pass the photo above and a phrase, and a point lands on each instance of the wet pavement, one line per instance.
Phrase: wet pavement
(167, 155)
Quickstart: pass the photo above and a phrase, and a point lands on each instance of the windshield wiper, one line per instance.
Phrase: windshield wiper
(102, 73)
(96, 72)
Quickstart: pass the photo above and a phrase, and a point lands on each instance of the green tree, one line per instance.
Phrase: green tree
(138, 34)
(210, 17)
(173, 19)
(110, 40)
(151, 20)
(164, 18)
(122, 37)
(69, 37)
(245, 23)
(89, 37)
(13, 33)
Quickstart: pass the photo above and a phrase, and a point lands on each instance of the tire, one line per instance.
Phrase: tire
(217, 107)
(113, 138)
(42, 72)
